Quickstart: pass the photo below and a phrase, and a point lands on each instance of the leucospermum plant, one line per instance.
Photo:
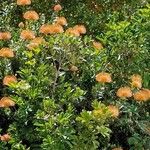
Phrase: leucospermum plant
(57, 91)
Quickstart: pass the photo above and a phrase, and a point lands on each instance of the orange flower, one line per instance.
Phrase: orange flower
(5, 137)
(114, 110)
(136, 77)
(27, 35)
(21, 25)
(103, 77)
(6, 102)
(73, 68)
(23, 2)
(57, 7)
(136, 81)
(97, 45)
(6, 52)
(9, 79)
(117, 148)
(35, 43)
(124, 92)
(61, 21)
(31, 15)
(5, 35)
(142, 95)
(51, 29)
(72, 32)
(136, 84)
(80, 28)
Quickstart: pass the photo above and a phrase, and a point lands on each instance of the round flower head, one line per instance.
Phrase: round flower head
(136, 81)
(124, 92)
(51, 29)
(5, 35)
(35, 43)
(21, 25)
(27, 35)
(31, 15)
(136, 77)
(9, 79)
(6, 52)
(6, 102)
(103, 77)
(5, 137)
(80, 28)
(142, 95)
(61, 21)
(97, 45)
(73, 68)
(114, 110)
(72, 32)
(23, 2)
(57, 7)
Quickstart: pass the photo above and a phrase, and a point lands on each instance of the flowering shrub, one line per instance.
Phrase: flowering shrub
(60, 89)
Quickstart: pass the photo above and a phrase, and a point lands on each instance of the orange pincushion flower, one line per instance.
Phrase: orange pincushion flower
(31, 15)
(57, 7)
(97, 45)
(136, 84)
(114, 110)
(73, 32)
(136, 81)
(6, 102)
(6, 52)
(51, 29)
(61, 21)
(35, 43)
(5, 35)
(27, 35)
(21, 25)
(103, 77)
(5, 137)
(9, 79)
(23, 2)
(136, 77)
(124, 92)
(142, 95)
(80, 28)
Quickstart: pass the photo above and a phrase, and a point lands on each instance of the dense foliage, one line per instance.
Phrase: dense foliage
(63, 91)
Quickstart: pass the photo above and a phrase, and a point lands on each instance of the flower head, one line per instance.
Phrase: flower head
(27, 35)
(23, 2)
(124, 92)
(6, 52)
(103, 77)
(72, 32)
(5, 137)
(31, 15)
(9, 79)
(61, 21)
(51, 29)
(114, 110)
(136, 81)
(80, 28)
(142, 95)
(6, 102)
(35, 43)
(5, 35)
(57, 7)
